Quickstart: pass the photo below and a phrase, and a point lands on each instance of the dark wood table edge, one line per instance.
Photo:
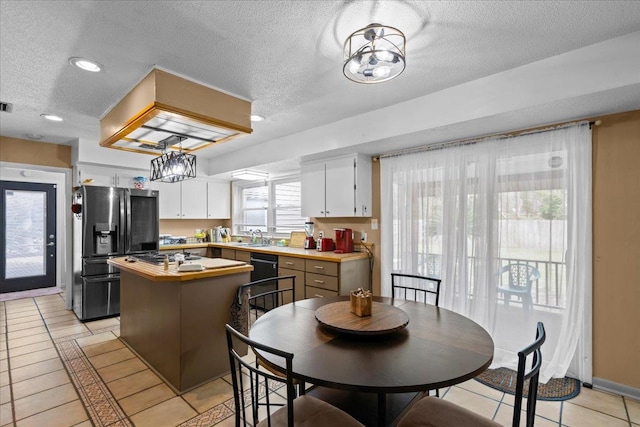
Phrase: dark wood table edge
(419, 391)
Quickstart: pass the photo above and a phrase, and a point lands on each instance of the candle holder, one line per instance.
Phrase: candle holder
(361, 302)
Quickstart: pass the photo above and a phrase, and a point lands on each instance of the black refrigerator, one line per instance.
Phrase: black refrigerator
(108, 222)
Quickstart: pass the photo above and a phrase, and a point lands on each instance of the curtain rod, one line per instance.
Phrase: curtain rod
(472, 141)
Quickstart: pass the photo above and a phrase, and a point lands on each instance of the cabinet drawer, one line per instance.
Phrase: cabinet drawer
(319, 293)
(196, 251)
(227, 253)
(243, 256)
(321, 281)
(291, 263)
(321, 267)
(299, 283)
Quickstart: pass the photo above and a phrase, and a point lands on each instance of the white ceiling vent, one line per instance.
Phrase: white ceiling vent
(5, 107)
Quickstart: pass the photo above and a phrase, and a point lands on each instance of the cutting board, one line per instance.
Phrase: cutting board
(218, 262)
(297, 239)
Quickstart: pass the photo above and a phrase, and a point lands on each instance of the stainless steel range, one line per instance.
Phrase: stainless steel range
(158, 258)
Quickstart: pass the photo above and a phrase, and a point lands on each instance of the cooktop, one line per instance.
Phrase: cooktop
(157, 258)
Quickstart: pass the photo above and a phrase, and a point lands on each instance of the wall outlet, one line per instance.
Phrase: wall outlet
(320, 234)
(363, 236)
(374, 223)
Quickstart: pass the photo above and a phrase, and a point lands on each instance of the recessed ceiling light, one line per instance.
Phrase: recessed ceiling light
(249, 175)
(256, 118)
(51, 117)
(34, 136)
(85, 64)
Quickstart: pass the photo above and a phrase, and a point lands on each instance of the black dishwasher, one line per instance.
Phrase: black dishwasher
(264, 266)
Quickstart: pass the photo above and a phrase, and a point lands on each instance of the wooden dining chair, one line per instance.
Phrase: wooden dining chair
(284, 293)
(433, 412)
(411, 286)
(255, 384)
(261, 300)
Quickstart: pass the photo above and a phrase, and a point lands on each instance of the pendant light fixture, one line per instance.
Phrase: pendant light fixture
(374, 54)
(173, 166)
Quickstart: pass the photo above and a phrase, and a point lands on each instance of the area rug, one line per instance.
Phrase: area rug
(10, 296)
(504, 379)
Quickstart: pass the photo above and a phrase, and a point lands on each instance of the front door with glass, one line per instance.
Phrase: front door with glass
(28, 239)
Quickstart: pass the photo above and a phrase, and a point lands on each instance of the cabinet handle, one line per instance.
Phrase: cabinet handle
(327, 212)
(319, 296)
(319, 281)
(318, 267)
(289, 263)
(321, 212)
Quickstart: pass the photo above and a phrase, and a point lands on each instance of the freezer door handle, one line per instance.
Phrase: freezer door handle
(110, 278)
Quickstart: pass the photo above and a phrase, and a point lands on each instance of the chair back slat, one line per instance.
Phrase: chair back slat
(242, 369)
(424, 285)
(532, 374)
(261, 301)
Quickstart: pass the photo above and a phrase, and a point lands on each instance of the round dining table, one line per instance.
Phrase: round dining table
(437, 348)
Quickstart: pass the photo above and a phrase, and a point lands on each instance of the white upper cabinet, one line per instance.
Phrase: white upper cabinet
(194, 199)
(218, 200)
(338, 187)
(182, 200)
(106, 176)
(169, 200)
(312, 189)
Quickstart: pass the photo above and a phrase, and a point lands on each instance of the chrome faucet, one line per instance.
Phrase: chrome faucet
(253, 236)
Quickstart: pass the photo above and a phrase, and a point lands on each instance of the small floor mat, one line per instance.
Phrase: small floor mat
(504, 379)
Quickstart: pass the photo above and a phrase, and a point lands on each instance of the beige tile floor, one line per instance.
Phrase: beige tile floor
(58, 371)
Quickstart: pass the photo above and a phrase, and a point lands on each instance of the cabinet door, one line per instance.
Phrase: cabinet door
(227, 253)
(312, 190)
(169, 199)
(363, 186)
(340, 180)
(299, 283)
(93, 175)
(194, 199)
(124, 177)
(218, 200)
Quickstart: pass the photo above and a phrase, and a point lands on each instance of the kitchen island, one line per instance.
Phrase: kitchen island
(175, 320)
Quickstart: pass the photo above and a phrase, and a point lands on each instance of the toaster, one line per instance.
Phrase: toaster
(325, 244)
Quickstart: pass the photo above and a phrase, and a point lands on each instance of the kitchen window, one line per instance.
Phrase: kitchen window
(273, 207)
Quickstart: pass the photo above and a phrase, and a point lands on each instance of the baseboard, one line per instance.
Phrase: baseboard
(616, 388)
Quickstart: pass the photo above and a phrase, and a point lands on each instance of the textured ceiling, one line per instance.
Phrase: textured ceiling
(286, 57)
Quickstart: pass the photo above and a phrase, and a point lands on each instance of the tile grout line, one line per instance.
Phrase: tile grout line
(626, 409)
(53, 341)
(6, 343)
(110, 398)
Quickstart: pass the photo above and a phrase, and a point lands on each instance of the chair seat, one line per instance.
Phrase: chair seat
(435, 412)
(311, 412)
(514, 291)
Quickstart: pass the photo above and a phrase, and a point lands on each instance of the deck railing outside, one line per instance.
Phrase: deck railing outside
(548, 291)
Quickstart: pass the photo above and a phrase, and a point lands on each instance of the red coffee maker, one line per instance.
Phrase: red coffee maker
(344, 240)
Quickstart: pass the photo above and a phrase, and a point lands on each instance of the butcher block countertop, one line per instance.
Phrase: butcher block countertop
(214, 267)
(275, 250)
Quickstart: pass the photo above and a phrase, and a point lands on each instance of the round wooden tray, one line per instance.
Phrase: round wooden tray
(384, 319)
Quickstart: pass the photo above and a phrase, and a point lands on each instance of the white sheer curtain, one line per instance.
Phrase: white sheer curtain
(462, 212)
